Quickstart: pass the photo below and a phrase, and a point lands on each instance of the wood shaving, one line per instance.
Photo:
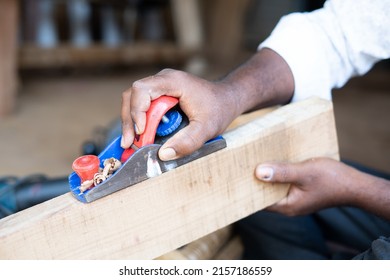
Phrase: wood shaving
(110, 166)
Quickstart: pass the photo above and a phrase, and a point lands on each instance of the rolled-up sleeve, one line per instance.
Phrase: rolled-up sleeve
(326, 47)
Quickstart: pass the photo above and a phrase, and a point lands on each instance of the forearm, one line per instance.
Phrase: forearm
(373, 194)
(264, 80)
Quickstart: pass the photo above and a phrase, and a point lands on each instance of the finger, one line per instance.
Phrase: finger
(138, 108)
(278, 172)
(127, 122)
(146, 90)
(140, 103)
(186, 141)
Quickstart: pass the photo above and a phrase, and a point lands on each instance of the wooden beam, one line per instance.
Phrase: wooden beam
(161, 214)
(8, 55)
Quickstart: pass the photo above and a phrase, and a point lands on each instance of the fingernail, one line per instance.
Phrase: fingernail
(136, 129)
(123, 142)
(264, 173)
(167, 154)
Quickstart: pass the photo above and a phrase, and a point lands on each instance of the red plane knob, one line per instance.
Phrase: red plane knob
(86, 167)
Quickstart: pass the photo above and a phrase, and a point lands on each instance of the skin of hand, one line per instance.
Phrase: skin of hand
(320, 183)
(210, 106)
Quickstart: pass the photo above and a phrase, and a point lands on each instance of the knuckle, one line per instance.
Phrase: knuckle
(137, 85)
(177, 74)
(144, 83)
(284, 174)
(166, 71)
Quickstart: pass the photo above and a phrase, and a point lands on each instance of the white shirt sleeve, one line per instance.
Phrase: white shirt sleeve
(326, 47)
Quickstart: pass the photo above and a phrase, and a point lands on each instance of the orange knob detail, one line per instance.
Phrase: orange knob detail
(86, 167)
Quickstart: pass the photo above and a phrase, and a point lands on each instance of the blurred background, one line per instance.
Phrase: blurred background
(65, 63)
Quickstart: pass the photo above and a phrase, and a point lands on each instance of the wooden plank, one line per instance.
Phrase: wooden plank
(8, 46)
(161, 214)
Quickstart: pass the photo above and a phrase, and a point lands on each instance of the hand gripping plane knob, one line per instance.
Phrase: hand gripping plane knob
(155, 118)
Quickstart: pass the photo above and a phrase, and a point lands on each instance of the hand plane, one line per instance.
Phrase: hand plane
(116, 168)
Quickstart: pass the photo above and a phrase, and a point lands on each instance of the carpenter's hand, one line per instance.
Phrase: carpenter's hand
(314, 184)
(209, 106)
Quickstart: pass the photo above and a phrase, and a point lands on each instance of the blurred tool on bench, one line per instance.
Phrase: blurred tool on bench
(17, 194)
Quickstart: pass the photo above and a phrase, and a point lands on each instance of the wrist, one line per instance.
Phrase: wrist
(231, 99)
(264, 80)
(369, 192)
(373, 195)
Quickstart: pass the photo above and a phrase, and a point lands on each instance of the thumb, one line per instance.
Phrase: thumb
(277, 172)
(185, 142)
